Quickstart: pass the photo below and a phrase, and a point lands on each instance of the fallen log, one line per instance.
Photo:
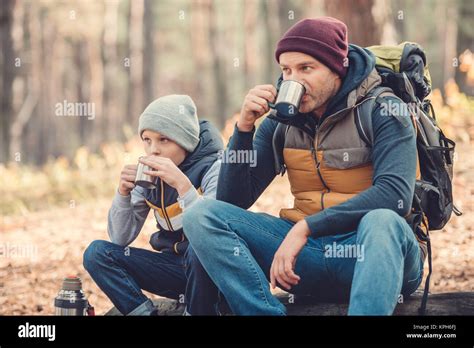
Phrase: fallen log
(453, 303)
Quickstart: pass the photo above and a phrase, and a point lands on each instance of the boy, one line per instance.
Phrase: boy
(183, 153)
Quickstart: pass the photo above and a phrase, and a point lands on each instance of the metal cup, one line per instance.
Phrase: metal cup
(145, 180)
(289, 98)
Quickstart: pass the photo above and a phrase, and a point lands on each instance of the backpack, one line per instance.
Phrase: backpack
(405, 74)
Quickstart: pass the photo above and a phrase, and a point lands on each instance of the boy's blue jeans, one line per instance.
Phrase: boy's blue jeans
(122, 272)
(236, 247)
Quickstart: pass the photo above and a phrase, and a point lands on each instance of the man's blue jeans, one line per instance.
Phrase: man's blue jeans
(122, 272)
(236, 247)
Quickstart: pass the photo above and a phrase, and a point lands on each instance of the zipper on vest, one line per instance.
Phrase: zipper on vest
(315, 157)
(318, 164)
(313, 150)
(322, 200)
(163, 207)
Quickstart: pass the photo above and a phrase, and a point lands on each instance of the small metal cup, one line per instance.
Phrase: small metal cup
(289, 98)
(145, 180)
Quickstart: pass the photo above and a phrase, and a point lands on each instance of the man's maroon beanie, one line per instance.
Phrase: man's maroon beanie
(324, 38)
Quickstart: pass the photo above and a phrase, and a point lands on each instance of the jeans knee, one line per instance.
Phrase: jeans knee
(383, 224)
(195, 218)
(93, 254)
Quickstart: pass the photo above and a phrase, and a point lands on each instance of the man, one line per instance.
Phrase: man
(346, 236)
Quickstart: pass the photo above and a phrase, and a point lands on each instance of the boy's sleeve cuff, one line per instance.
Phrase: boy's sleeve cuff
(122, 201)
(188, 198)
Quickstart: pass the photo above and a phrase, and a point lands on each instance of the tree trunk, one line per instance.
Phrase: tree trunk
(110, 116)
(220, 83)
(250, 44)
(465, 42)
(362, 28)
(36, 139)
(80, 58)
(50, 39)
(136, 58)
(96, 94)
(288, 15)
(7, 73)
(149, 58)
(449, 46)
(30, 133)
(199, 29)
(125, 62)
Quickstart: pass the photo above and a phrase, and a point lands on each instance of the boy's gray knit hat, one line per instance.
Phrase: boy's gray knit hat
(175, 117)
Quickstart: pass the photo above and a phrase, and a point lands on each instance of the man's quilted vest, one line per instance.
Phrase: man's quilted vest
(335, 165)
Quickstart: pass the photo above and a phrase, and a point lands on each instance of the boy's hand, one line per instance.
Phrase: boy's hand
(127, 179)
(255, 105)
(166, 170)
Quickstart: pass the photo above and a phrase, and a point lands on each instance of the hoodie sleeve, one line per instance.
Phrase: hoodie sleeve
(394, 158)
(208, 187)
(127, 216)
(242, 183)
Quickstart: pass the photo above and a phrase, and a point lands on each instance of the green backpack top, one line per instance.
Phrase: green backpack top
(408, 58)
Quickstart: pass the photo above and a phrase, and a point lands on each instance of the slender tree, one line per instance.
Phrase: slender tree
(7, 68)
(357, 14)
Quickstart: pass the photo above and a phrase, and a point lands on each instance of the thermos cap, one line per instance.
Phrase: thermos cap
(72, 283)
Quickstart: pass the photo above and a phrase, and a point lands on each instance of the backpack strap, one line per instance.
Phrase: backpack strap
(363, 113)
(363, 119)
(278, 143)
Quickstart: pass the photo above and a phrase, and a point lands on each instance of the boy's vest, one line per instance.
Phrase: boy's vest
(335, 165)
(164, 199)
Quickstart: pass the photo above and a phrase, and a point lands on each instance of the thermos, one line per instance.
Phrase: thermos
(71, 300)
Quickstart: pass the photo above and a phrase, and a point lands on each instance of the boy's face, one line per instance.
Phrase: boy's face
(156, 144)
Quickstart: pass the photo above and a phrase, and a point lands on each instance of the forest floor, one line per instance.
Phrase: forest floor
(41, 248)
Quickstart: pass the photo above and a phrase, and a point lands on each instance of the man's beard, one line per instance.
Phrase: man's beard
(314, 103)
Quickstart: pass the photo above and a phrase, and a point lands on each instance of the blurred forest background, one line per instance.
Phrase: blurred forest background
(58, 173)
(120, 55)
